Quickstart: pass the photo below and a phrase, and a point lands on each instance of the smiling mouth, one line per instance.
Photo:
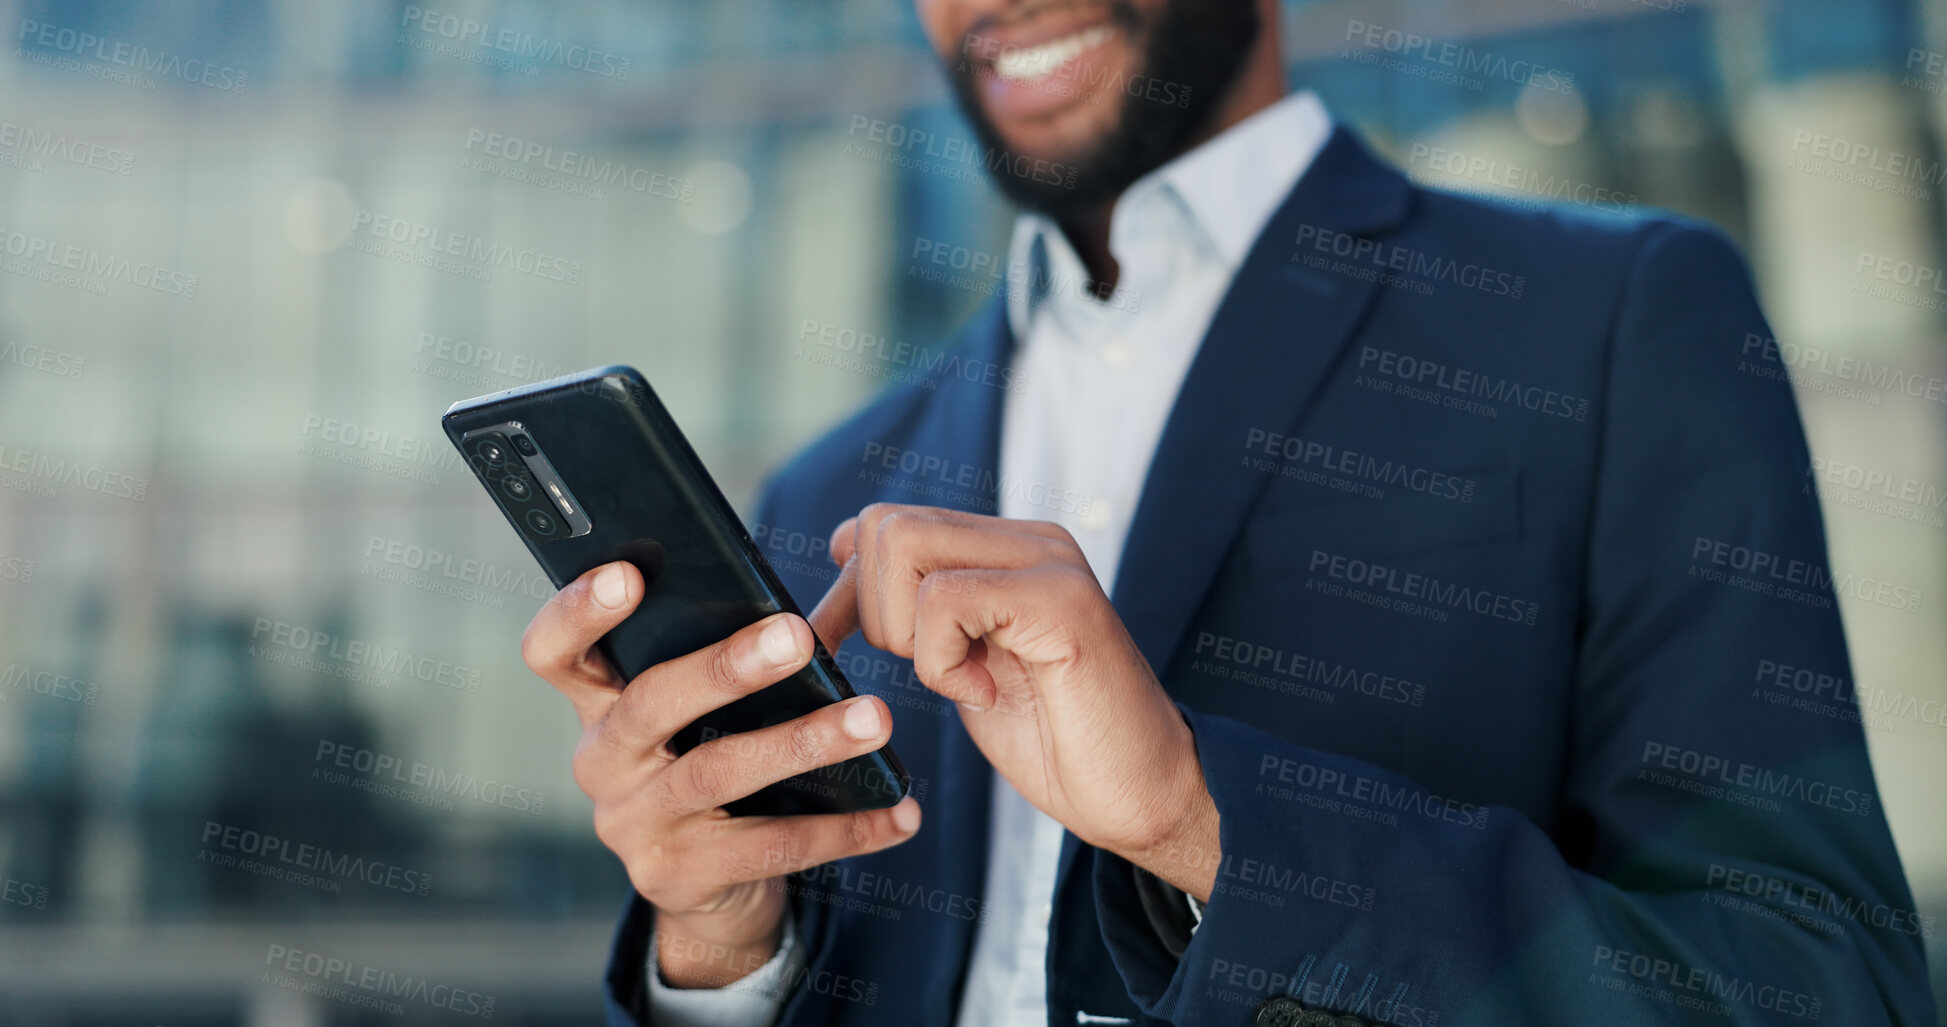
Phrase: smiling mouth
(1035, 62)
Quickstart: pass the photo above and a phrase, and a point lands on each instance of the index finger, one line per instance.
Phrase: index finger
(845, 537)
(836, 616)
(559, 643)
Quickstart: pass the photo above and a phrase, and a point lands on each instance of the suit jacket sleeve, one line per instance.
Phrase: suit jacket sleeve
(1716, 857)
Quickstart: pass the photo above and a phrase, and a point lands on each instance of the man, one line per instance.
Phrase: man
(1356, 606)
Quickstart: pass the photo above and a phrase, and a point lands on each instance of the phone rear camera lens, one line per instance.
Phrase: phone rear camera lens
(492, 453)
(540, 522)
(516, 488)
(524, 444)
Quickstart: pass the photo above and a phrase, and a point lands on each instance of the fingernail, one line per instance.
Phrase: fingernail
(779, 643)
(905, 816)
(862, 720)
(612, 586)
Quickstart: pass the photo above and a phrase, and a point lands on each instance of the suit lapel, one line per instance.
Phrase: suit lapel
(961, 426)
(1276, 335)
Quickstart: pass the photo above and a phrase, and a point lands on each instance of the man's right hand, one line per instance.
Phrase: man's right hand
(716, 880)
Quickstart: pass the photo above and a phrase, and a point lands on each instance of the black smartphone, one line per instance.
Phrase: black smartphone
(589, 468)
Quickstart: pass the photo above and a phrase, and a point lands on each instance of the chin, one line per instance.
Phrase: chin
(1069, 136)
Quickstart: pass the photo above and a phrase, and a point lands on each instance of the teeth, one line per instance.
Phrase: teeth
(1041, 61)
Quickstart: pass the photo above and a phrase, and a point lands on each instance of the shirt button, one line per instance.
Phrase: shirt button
(1095, 516)
(1118, 353)
(1047, 912)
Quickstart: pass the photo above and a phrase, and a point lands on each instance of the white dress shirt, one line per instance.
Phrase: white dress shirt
(1098, 380)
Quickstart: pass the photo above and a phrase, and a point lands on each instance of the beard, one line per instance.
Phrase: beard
(1198, 46)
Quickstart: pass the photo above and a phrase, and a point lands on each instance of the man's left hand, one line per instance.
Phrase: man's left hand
(1005, 618)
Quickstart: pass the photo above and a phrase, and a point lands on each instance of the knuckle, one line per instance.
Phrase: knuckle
(893, 527)
(583, 768)
(1056, 547)
(889, 548)
(535, 652)
(633, 714)
(859, 831)
(806, 744)
(959, 583)
(1074, 583)
(770, 852)
(749, 862)
(720, 670)
(785, 850)
(611, 732)
(708, 777)
(666, 797)
(939, 583)
(655, 874)
(608, 827)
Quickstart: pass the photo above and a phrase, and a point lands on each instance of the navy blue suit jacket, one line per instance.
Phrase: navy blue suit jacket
(1477, 553)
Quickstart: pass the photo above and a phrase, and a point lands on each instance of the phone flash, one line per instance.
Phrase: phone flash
(555, 487)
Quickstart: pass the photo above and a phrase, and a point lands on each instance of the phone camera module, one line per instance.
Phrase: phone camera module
(514, 467)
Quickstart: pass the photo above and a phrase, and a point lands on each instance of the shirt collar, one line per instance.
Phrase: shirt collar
(1228, 188)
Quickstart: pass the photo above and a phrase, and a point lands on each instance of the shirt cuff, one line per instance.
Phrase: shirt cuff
(1173, 914)
(753, 1000)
